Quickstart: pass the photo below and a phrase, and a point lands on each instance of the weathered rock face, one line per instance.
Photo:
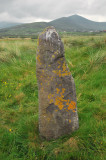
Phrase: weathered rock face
(57, 97)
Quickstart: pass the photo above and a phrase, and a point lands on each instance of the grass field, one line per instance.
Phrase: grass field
(19, 135)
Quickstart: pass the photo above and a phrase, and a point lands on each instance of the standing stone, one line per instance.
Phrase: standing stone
(57, 96)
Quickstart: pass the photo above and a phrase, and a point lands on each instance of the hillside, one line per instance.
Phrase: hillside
(69, 24)
(8, 24)
(77, 23)
(19, 134)
(24, 29)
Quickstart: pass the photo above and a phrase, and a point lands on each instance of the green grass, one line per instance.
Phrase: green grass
(19, 135)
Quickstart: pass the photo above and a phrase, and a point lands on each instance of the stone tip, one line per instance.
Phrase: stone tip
(48, 33)
(49, 27)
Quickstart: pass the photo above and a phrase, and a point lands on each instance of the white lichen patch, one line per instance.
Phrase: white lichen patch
(50, 32)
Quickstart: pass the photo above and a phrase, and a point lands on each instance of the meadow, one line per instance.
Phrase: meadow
(19, 134)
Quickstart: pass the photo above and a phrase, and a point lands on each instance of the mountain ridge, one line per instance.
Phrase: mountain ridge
(74, 23)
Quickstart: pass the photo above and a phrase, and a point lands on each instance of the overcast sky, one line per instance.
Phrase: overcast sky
(26, 11)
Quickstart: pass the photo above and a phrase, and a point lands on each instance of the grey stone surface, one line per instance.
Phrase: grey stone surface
(57, 97)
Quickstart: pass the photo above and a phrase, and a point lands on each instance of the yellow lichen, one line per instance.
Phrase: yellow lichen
(43, 71)
(51, 101)
(56, 52)
(38, 42)
(38, 59)
(53, 56)
(59, 66)
(48, 119)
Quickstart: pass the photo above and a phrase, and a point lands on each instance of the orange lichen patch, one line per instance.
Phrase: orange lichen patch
(73, 110)
(64, 67)
(65, 71)
(72, 106)
(68, 101)
(63, 90)
(60, 101)
(62, 96)
(62, 73)
(66, 74)
(69, 121)
(57, 90)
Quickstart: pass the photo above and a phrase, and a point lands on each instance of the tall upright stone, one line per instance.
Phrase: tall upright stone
(57, 96)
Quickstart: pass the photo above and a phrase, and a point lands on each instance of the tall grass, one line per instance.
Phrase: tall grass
(19, 134)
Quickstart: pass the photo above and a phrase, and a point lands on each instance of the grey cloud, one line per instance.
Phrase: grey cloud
(51, 9)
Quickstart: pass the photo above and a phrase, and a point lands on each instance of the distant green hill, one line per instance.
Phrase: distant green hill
(29, 29)
(8, 24)
(73, 23)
